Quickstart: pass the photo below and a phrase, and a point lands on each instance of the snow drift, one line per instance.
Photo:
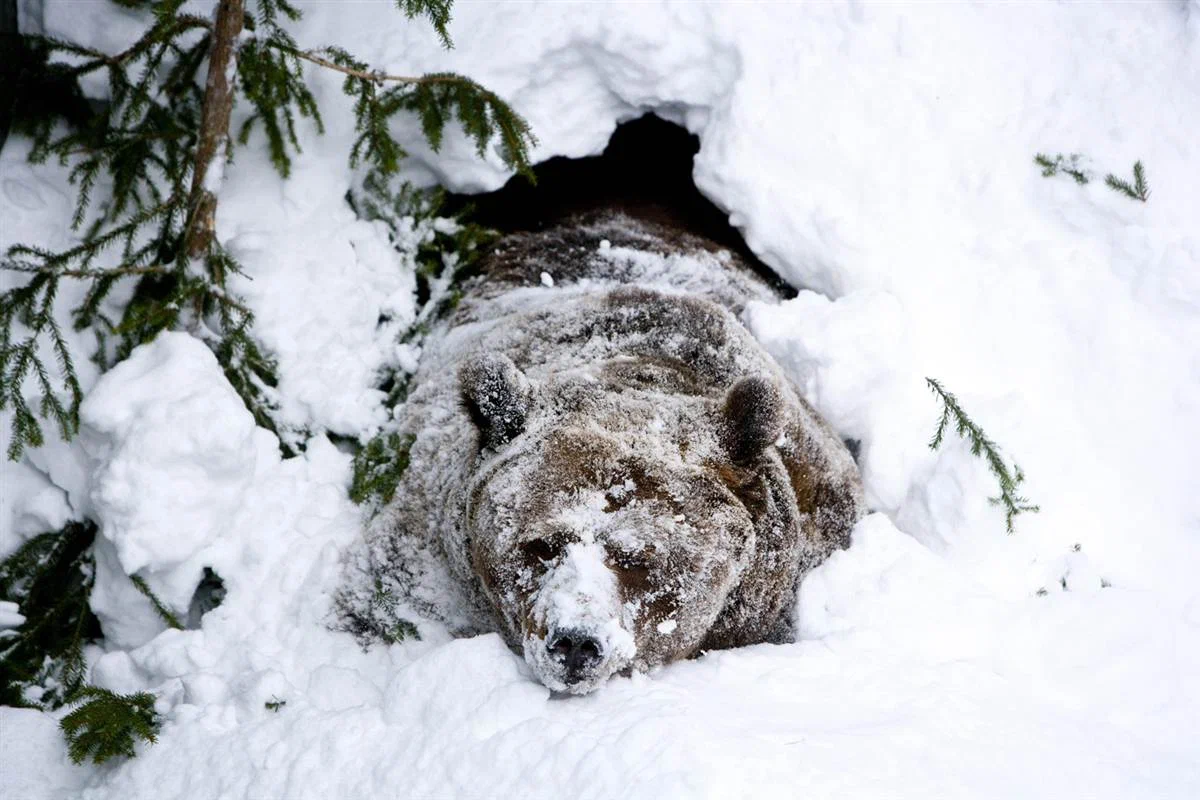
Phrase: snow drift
(880, 157)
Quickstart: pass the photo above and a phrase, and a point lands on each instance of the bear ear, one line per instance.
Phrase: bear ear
(496, 395)
(754, 417)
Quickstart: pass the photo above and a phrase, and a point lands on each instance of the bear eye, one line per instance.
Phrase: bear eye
(633, 559)
(541, 549)
(633, 569)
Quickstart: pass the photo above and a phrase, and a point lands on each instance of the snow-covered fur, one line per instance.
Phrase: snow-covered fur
(605, 463)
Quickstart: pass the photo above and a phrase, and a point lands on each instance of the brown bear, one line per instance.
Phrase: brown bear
(607, 464)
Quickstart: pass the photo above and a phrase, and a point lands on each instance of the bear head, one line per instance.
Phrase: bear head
(601, 521)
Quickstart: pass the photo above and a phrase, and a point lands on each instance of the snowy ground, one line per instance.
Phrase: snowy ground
(879, 154)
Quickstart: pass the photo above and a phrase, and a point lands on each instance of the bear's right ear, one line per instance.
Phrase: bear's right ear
(754, 417)
(496, 395)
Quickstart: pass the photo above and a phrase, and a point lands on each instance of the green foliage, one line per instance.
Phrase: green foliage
(438, 12)
(37, 93)
(447, 249)
(437, 99)
(106, 725)
(49, 578)
(401, 630)
(140, 148)
(33, 306)
(386, 624)
(981, 446)
(1068, 165)
(1072, 165)
(196, 300)
(271, 78)
(375, 618)
(379, 466)
(164, 613)
(1138, 190)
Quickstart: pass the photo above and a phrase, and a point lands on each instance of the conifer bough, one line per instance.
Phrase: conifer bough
(1138, 190)
(105, 724)
(161, 141)
(1010, 480)
(1072, 165)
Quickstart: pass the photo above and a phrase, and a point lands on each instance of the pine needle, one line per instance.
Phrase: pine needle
(1071, 165)
(1139, 189)
(106, 725)
(983, 447)
(49, 577)
(142, 145)
(160, 608)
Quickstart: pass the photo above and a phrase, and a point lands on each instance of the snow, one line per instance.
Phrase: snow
(10, 617)
(215, 173)
(34, 764)
(879, 155)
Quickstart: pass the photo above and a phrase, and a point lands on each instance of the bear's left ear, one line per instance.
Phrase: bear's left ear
(496, 395)
(754, 417)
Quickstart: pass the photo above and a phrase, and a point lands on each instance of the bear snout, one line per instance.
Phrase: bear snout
(577, 632)
(577, 651)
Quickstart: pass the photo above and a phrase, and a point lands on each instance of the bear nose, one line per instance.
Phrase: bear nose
(577, 651)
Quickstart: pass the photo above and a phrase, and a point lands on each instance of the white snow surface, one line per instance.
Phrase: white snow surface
(135, 429)
(878, 154)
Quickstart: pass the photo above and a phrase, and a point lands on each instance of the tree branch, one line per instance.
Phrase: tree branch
(153, 269)
(375, 76)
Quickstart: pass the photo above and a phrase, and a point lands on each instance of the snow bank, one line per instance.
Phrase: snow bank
(149, 426)
(879, 155)
(322, 282)
(35, 765)
(903, 693)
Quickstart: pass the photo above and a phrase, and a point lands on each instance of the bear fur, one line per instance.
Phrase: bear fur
(605, 466)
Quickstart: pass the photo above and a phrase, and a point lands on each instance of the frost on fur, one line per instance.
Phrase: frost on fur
(608, 469)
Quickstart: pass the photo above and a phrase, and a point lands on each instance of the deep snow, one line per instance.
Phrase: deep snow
(879, 155)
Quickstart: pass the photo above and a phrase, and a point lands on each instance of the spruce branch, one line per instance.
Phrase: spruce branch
(379, 466)
(339, 60)
(116, 272)
(448, 252)
(1138, 190)
(438, 12)
(106, 725)
(1069, 165)
(33, 306)
(271, 79)
(49, 577)
(164, 613)
(436, 98)
(981, 446)
(153, 144)
(145, 202)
